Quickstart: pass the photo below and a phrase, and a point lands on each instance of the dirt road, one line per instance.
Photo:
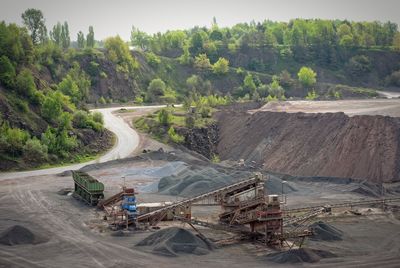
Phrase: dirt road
(127, 141)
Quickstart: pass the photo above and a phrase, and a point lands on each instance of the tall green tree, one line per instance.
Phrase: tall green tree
(55, 34)
(33, 19)
(90, 37)
(139, 39)
(65, 38)
(81, 40)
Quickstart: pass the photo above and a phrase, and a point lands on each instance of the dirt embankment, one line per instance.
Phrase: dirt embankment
(330, 144)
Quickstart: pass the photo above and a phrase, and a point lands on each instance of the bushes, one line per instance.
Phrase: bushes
(58, 142)
(34, 151)
(82, 119)
(175, 137)
(221, 66)
(12, 140)
(7, 72)
(25, 85)
(164, 117)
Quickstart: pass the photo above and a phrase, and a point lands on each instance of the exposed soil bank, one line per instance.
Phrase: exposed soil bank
(330, 144)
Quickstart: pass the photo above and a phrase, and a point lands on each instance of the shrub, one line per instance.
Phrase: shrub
(13, 139)
(80, 119)
(34, 151)
(25, 84)
(138, 100)
(307, 77)
(221, 66)
(7, 71)
(164, 117)
(312, 95)
(98, 117)
(102, 100)
(175, 137)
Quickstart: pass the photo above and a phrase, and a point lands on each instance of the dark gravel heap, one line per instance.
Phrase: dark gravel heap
(19, 235)
(299, 255)
(325, 232)
(175, 241)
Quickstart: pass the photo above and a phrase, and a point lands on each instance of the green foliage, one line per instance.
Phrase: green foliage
(15, 44)
(138, 100)
(275, 89)
(271, 98)
(221, 66)
(307, 77)
(90, 38)
(34, 151)
(139, 39)
(175, 137)
(12, 140)
(52, 107)
(60, 35)
(164, 117)
(396, 41)
(75, 84)
(82, 119)
(102, 100)
(196, 84)
(393, 79)
(33, 19)
(80, 39)
(118, 52)
(58, 142)
(153, 59)
(202, 62)
(359, 65)
(312, 95)
(98, 117)
(25, 85)
(249, 86)
(155, 90)
(7, 72)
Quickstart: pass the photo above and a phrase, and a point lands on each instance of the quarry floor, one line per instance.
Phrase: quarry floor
(78, 236)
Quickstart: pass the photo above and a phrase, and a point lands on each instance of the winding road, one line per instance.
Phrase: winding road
(127, 141)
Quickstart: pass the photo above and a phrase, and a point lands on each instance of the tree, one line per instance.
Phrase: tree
(7, 71)
(202, 62)
(81, 40)
(275, 90)
(248, 84)
(155, 90)
(65, 38)
(25, 84)
(34, 21)
(221, 66)
(164, 117)
(139, 39)
(118, 52)
(196, 43)
(55, 34)
(307, 77)
(51, 108)
(90, 38)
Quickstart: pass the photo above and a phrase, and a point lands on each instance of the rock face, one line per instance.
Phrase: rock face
(330, 144)
(201, 140)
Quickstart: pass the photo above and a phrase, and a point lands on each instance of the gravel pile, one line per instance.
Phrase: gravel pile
(175, 241)
(299, 256)
(19, 235)
(325, 232)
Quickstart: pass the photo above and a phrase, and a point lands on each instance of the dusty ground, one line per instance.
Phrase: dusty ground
(79, 238)
(386, 107)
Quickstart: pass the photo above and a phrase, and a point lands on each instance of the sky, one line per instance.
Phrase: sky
(114, 17)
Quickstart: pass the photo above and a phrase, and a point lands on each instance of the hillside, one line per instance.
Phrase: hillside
(331, 144)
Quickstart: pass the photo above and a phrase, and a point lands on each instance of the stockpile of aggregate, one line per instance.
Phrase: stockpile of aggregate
(19, 235)
(324, 144)
(325, 232)
(175, 241)
(299, 256)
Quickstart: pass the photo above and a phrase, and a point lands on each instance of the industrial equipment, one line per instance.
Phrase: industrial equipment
(87, 188)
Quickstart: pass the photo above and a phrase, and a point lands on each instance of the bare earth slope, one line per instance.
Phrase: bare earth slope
(329, 144)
